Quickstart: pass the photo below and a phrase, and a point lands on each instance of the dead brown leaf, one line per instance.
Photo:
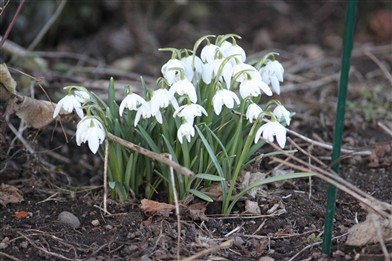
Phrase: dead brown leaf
(197, 211)
(373, 229)
(36, 113)
(10, 194)
(151, 207)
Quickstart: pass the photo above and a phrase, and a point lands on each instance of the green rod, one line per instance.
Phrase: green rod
(339, 123)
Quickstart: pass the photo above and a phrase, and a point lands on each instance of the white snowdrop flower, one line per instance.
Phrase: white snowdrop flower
(225, 73)
(224, 97)
(184, 87)
(245, 71)
(193, 67)
(281, 113)
(208, 70)
(253, 112)
(272, 73)
(235, 49)
(82, 96)
(186, 130)
(161, 98)
(68, 104)
(172, 70)
(253, 87)
(132, 101)
(208, 53)
(144, 111)
(271, 129)
(189, 112)
(90, 130)
(225, 46)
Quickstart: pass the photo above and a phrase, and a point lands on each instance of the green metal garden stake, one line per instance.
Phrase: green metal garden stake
(337, 141)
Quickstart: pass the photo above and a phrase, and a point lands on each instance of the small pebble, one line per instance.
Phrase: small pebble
(109, 227)
(95, 222)
(69, 219)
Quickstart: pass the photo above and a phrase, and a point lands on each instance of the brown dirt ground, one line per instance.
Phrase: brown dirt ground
(60, 176)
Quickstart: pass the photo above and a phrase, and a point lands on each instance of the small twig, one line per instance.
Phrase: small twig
(9, 28)
(9, 256)
(329, 146)
(384, 128)
(313, 245)
(155, 156)
(223, 245)
(105, 177)
(43, 249)
(47, 26)
(173, 183)
(381, 65)
(20, 137)
(335, 180)
(380, 238)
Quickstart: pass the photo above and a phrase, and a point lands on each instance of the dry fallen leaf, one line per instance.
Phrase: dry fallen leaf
(369, 231)
(10, 194)
(36, 113)
(151, 207)
(197, 211)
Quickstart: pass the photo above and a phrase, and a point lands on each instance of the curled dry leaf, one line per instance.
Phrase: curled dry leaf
(197, 211)
(151, 207)
(7, 84)
(10, 194)
(154, 208)
(248, 178)
(372, 230)
(36, 113)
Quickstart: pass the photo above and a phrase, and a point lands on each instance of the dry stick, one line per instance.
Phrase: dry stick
(225, 244)
(332, 175)
(380, 238)
(47, 26)
(312, 245)
(44, 250)
(384, 128)
(328, 146)
(380, 64)
(105, 177)
(340, 184)
(9, 28)
(9, 256)
(155, 156)
(177, 208)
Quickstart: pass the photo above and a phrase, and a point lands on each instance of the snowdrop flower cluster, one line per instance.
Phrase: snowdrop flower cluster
(222, 67)
(209, 108)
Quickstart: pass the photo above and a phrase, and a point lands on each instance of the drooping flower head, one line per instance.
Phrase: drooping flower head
(90, 130)
(271, 129)
(69, 103)
(172, 70)
(186, 130)
(132, 101)
(253, 112)
(224, 97)
(189, 112)
(281, 113)
(272, 73)
(184, 87)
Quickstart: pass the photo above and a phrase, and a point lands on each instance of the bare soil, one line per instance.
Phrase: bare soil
(59, 176)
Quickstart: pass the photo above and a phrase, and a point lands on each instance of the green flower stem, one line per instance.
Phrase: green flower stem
(238, 167)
